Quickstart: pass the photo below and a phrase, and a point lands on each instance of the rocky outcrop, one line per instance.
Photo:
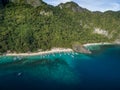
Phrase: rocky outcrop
(101, 32)
(34, 3)
(72, 6)
(80, 49)
(117, 41)
(46, 13)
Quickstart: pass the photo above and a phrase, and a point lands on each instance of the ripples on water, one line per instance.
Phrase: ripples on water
(68, 71)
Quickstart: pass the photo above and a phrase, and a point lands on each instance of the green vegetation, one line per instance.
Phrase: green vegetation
(26, 28)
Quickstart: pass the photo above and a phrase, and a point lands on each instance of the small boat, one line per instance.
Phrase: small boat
(19, 74)
(15, 58)
(19, 58)
(72, 56)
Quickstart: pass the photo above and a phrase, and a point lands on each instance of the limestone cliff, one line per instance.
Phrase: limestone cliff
(34, 3)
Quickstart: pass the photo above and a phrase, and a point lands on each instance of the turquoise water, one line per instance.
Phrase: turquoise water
(66, 71)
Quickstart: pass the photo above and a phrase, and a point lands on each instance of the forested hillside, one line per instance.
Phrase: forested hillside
(29, 25)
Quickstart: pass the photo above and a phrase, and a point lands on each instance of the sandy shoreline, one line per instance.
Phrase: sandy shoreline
(55, 50)
(102, 43)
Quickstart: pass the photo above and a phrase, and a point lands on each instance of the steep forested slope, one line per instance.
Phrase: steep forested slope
(28, 25)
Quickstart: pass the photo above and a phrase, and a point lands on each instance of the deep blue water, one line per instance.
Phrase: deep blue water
(63, 71)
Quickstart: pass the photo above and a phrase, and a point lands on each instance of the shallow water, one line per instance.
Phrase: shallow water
(68, 71)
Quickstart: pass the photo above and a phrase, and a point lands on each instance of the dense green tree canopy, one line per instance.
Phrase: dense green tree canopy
(26, 28)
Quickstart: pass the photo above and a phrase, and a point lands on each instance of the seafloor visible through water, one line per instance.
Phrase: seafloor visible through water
(63, 71)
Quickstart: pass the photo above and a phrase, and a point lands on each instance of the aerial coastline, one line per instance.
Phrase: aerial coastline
(55, 50)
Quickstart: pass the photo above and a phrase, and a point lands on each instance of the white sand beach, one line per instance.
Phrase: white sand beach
(102, 43)
(54, 50)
